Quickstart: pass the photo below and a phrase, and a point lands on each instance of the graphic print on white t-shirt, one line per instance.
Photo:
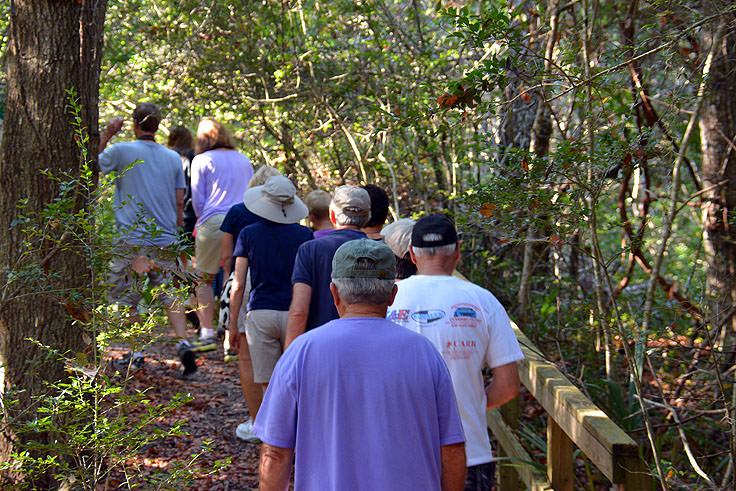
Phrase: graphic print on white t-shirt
(459, 349)
(470, 328)
(465, 315)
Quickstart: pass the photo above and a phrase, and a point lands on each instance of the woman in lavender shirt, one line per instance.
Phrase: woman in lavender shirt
(220, 177)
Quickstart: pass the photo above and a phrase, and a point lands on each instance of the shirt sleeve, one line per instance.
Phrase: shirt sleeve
(108, 159)
(199, 184)
(303, 266)
(181, 182)
(503, 347)
(277, 417)
(241, 244)
(227, 222)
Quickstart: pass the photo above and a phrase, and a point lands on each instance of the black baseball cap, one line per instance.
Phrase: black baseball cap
(433, 231)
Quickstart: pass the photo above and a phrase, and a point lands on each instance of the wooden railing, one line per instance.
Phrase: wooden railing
(573, 420)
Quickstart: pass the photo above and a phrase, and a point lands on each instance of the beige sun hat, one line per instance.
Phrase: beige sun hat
(397, 235)
(276, 201)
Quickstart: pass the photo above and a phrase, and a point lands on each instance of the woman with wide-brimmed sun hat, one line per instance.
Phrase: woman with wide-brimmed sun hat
(269, 248)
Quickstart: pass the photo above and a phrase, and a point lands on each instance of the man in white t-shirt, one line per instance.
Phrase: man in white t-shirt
(469, 327)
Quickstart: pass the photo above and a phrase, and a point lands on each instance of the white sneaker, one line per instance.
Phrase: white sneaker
(244, 431)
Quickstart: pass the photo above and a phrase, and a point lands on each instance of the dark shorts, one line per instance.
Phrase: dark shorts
(480, 477)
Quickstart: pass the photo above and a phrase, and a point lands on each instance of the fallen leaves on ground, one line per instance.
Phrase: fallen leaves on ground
(212, 415)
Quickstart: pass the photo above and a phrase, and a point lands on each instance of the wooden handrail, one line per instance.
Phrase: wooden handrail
(573, 419)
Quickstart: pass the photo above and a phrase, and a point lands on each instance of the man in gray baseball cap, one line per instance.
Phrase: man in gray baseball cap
(331, 380)
(311, 302)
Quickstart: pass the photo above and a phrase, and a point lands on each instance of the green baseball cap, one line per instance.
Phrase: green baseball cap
(364, 258)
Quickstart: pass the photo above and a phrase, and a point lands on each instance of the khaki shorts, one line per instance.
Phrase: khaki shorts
(266, 334)
(127, 285)
(208, 245)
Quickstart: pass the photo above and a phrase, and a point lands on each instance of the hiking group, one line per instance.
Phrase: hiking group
(360, 351)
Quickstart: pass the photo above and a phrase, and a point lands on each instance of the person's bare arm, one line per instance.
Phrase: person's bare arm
(226, 252)
(111, 130)
(236, 300)
(298, 312)
(504, 387)
(275, 467)
(453, 467)
(180, 207)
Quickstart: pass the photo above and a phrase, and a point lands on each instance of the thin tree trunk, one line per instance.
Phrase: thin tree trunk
(541, 132)
(717, 136)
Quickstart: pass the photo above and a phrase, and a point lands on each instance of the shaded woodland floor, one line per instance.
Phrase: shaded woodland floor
(216, 409)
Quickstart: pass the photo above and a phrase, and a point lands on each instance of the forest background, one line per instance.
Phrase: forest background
(587, 150)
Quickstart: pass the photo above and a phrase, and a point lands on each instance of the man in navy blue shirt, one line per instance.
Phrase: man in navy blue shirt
(311, 303)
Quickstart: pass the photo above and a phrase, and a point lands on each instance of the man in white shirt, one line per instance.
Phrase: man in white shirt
(469, 327)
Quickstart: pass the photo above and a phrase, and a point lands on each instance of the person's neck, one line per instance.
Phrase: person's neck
(346, 227)
(364, 310)
(372, 232)
(323, 225)
(145, 135)
(435, 266)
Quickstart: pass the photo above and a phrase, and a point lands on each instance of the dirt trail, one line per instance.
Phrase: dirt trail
(216, 409)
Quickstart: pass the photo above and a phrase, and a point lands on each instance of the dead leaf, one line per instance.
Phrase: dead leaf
(77, 312)
(556, 241)
(487, 209)
(524, 164)
(141, 264)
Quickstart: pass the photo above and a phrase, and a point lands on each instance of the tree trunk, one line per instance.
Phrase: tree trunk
(717, 133)
(536, 252)
(53, 47)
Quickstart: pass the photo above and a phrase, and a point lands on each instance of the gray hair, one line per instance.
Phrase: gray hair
(445, 250)
(344, 219)
(371, 291)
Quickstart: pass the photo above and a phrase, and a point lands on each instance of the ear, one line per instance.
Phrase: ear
(332, 216)
(336, 297)
(411, 253)
(457, 250)
(394, 291)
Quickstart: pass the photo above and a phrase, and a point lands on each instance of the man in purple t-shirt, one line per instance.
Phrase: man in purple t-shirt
(361, 368)
(311, 301)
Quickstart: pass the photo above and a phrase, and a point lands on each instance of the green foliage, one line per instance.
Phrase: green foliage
(85, 427)
(436, 102)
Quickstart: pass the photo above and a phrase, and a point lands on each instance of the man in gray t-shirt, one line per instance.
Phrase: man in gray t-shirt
(149, 202)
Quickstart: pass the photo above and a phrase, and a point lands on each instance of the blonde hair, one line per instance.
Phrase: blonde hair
(318, 203)
(213, 134)
(262, 175)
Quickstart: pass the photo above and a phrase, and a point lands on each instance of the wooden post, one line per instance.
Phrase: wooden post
(508, 479)
(560, 466)
(638, 476)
